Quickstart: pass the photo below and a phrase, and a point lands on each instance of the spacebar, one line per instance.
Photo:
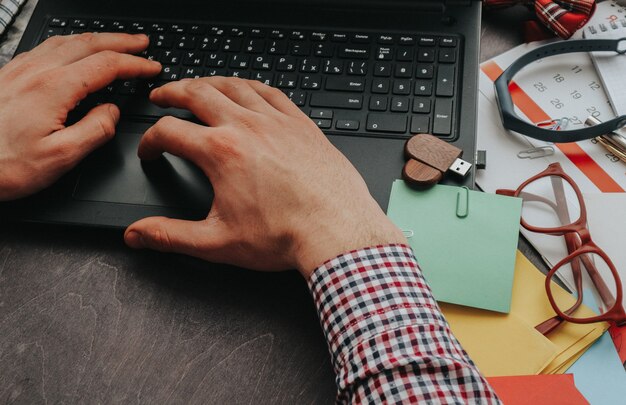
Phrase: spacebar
(144, 108)
(331, 100)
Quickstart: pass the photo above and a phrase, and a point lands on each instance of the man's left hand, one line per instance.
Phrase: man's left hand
(37, 91)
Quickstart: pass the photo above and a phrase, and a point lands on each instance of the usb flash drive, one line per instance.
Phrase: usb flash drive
(429, 157)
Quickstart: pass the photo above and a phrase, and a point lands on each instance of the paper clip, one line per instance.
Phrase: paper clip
(408, 234)
(534, 153)
(554, 125)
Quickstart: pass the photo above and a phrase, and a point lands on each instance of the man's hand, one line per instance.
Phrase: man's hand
(285, 197)
(39, 88)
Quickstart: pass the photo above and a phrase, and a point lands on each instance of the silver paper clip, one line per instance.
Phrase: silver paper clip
(408, 234)
(534, 153)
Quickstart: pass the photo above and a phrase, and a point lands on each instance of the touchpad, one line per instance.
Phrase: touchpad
(115, 174)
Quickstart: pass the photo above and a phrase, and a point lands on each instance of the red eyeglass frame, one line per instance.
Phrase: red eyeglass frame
(579, 242)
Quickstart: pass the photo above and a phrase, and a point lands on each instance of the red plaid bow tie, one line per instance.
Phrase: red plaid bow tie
(562, 17)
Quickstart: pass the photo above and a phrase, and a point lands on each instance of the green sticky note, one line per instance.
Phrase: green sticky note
(464, 240)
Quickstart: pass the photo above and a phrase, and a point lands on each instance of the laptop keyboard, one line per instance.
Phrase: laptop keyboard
(380, 84)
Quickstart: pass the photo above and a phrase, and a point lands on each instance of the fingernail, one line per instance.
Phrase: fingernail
(134, 240)
(114, 111)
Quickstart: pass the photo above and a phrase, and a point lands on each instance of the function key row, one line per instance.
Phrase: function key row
(296, 35)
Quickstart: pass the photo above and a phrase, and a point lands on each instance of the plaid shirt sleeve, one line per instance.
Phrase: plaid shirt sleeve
(388, 340)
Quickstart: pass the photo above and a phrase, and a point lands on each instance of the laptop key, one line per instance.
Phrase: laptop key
(445, 80)
(323, 124)
(311, 82)
(287, 81)
(427, 41)
(323, 50)
(170, 73)
(345, 84)
(192, 73)
(216, 60)
(239, 73)
(232, 45)
(79, 23)
(442, 124)
(382, 69)
(262, 63)
(423, 88)
(333, 67)
(403, 70)
(197, 29)
(300, 49)
(215, 72)
(405, 54)
(400, 104)
(317, 113)
(402, 87)
(210, 43)
(448, 42)
(407, 40)
(310, 65)
(335, 100)
(339, 37)
(420, 124)
(264, 77)
(354, 52)
(357, 68)
(447, 55)
(296, 97)
(170, 57)
(421, 105)
(378, 103)
(349, 125)
(395, 123)
(58, 22)
(239, 61)
(361, 38)
(286, 64)
(425, 71)
(426, 55)
(380, 86)
(193, 59)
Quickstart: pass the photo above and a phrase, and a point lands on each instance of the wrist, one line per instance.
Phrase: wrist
(339, 234)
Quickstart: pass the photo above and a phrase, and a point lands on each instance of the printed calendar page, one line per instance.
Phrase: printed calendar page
(565, 88)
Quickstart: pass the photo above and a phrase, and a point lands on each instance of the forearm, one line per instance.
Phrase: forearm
(387, 337)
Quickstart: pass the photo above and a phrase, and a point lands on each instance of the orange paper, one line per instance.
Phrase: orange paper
(553, 389)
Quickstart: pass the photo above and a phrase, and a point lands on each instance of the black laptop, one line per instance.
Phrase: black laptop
(369, 73)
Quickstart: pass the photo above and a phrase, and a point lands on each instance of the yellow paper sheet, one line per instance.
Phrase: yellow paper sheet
(499, 344)
(503, 344)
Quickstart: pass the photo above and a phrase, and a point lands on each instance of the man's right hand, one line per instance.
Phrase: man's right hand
(285, 197)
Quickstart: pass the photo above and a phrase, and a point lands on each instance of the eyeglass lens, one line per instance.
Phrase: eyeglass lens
(600, 288)
(550, 202)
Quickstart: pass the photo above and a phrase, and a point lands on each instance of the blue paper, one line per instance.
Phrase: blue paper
(598, 373)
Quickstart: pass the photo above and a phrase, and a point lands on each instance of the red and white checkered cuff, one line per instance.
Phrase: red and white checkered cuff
(380, 319)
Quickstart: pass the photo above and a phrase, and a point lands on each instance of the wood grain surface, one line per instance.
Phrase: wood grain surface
(83, 319)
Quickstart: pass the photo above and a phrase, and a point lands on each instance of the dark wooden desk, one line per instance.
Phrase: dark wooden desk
(83, 319)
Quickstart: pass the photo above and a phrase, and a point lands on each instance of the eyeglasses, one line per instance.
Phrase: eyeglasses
(511, 121)
(553, 204)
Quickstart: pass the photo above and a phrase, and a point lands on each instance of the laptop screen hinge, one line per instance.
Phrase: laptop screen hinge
(458, 2)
